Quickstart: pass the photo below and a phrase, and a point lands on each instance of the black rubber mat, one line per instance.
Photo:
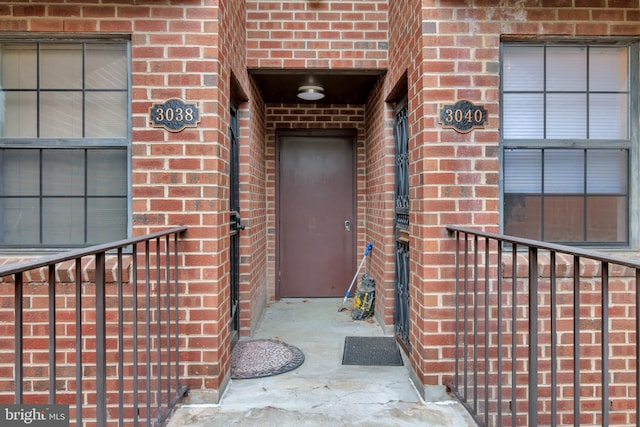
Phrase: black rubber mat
(371, 351)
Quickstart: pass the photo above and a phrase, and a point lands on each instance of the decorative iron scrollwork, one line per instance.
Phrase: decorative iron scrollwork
(401, 305)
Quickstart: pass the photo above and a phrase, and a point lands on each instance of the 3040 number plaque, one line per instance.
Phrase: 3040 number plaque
(463, 116)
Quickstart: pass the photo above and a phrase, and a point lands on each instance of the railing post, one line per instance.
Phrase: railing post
(52, 334)
(136, 362)
(554, 338)
(101, 336)
(605, 343)
(147, 320)
(78, 274)
(637, 347)
(466, 317)
(457, 346)
(158, 330)
(120, 340)
(533, 337)
(514, 333)
(499, 361)
(177, 311)
(475, 322)
(487, 341)
(19, 356)
(576, 341)
(167, 269)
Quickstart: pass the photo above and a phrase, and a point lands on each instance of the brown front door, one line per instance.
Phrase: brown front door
(316, 214)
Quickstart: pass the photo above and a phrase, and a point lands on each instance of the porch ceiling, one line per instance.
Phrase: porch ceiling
(340, 87)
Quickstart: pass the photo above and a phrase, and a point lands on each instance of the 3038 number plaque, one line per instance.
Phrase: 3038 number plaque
(463, 116)
(174, 115)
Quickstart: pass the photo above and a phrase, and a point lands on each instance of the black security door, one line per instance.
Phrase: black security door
(401, 309)
(236, 226)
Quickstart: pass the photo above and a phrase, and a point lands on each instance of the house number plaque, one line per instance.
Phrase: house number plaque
(463, 116)
(174, 115)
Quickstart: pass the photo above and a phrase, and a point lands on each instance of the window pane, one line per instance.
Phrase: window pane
(61, 66)
(607, 171)
(106, 67)
(567, 68)
(61, 115)
(523, 171)
(564, 219)
(20, 172)
(564, 171)
(63, 221)
(586, 93)
(523, 116)
(608, 114)
(63, 172)
(107, 172)
(20, 221)
(45, 191)
(107, 219)
(608, 67)
(566, 115)
(523, 216)
(19, 65)
(523, 68)
(107, 114)
(20, 118)
(606, 219)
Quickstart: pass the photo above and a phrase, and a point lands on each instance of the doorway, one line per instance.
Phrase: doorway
(317, 224)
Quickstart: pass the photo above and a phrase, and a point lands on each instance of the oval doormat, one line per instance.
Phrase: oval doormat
(263, 358)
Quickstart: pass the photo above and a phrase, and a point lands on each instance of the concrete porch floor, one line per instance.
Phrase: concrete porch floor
(322, 392)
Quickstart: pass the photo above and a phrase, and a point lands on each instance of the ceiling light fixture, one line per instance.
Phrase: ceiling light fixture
(311, 92)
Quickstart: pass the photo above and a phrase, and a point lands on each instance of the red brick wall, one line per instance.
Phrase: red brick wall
(176, 53)
(317, 34)
(449, 51)
(254, 199)
(379, 199)
(404, 42)
(448, 171)
(454, 176)
(178, 178)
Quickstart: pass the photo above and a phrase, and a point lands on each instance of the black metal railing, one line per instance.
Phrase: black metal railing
(546, 335)
(109, 314)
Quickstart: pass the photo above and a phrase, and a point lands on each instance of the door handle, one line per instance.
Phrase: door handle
(235, 222)
(347, 225)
